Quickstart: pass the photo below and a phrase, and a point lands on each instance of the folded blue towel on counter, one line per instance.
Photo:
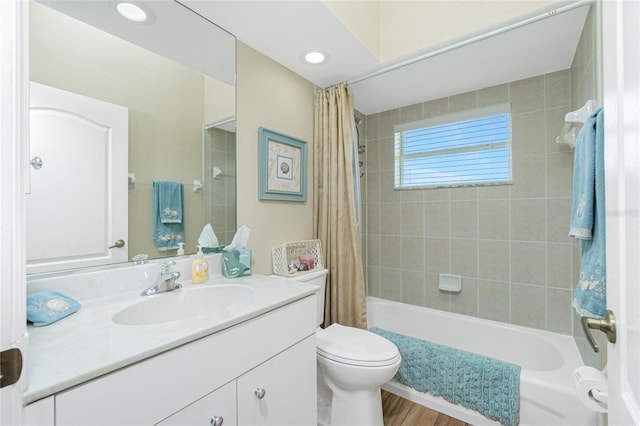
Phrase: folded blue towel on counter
(168, 226)
(46, 307)
(486, 385)
(588, 218)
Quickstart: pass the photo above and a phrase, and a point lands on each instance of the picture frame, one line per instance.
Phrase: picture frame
(282, 167)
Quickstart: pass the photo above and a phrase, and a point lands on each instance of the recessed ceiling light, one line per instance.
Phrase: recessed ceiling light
(315, 57)
(132, 11)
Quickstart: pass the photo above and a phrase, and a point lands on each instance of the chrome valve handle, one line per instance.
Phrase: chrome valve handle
(165, 266)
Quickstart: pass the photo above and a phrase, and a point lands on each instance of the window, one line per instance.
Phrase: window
(461, 149)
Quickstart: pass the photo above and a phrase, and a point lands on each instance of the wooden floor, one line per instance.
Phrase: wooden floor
(398, 411)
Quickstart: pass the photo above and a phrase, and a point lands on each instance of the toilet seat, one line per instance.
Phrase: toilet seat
(353, 346)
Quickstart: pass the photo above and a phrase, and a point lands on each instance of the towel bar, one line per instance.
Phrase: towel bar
(569, 132)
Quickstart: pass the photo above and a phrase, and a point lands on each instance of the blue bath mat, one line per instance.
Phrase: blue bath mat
(486, 385)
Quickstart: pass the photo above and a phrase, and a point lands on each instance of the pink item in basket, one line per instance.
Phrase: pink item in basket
(309, 260)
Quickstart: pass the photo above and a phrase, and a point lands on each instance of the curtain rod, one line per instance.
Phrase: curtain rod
(220, 122)
(472, 40)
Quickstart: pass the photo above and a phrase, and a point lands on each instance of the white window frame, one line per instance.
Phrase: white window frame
(399, 157)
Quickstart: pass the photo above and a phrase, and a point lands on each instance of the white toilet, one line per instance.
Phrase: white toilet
(352, 365)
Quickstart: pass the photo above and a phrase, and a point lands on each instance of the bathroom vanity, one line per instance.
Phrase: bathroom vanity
(248, 361)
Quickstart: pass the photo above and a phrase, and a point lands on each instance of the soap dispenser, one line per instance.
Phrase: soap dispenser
(199, 268)
(180, 249)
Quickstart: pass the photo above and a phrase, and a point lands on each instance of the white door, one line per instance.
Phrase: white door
(13, 133)
(77, 202)
(621, 66)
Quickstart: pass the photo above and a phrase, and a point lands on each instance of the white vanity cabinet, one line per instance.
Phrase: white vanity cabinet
(216, 375)
(39, 413)
(217, 409)
(278, 392)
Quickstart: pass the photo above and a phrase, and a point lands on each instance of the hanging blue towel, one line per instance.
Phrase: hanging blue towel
(168, 202)
(588, 218)
(486, 385)
(170, 199)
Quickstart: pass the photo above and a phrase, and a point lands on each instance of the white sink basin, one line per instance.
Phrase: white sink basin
(183, 304)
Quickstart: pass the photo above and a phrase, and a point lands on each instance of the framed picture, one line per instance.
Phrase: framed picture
(282, 167)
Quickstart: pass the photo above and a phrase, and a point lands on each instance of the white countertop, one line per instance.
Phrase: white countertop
(88, 344)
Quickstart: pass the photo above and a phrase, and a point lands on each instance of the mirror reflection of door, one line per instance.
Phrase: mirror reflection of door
(173, 75)
(77, 203)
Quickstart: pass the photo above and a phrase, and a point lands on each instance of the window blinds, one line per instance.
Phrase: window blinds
(468, 148)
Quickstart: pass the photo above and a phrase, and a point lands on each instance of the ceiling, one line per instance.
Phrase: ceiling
(175, 33)
(283, 30)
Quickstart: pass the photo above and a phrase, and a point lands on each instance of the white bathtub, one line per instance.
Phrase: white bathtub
(547, 395)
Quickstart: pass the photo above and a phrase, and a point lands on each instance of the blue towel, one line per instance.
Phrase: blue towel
(170, 200)
(45, 307)
(168, 226)
(486, 385)
(588, 218)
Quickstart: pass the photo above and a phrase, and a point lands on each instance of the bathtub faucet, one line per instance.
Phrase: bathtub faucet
(166, 280)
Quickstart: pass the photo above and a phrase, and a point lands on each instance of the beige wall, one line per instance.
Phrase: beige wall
(391, 29)
(362, 18)
(271, 96)
(219, 100)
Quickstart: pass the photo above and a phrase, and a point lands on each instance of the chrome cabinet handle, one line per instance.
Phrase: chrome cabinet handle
(36, 163)
(217, 420)
(117, 244)
(260, 392)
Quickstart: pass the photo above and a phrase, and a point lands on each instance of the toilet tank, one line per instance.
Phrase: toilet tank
(316, 277)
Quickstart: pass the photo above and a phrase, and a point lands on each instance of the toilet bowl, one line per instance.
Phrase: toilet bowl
(352, 366)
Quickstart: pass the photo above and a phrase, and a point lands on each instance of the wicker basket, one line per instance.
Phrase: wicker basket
(288, 253)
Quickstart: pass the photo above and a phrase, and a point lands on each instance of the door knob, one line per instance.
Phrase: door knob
(260, 393)
(607, 325)
(117, 244)
(217, 420)
(36, 163)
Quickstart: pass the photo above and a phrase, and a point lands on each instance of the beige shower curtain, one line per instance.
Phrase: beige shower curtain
(335, 221)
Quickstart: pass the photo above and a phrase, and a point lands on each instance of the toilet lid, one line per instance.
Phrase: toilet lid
(354, 346)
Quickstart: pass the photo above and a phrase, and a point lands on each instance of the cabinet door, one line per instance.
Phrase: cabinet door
(282, 390)
(217, 408)
(39, 413)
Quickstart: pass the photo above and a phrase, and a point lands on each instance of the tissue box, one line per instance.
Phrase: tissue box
(236, 263)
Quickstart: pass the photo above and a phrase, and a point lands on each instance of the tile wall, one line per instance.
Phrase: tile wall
(220, 192)
(509, 243)
(585, 85)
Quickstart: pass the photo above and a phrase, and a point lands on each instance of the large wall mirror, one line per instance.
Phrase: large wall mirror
(174, 78)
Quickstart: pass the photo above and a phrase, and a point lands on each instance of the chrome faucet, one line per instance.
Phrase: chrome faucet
(166, 280)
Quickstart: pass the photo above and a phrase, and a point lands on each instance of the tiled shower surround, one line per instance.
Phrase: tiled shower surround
(220, 197)
(509, 243)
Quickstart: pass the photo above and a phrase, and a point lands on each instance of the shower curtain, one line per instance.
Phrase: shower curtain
(335, 212)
